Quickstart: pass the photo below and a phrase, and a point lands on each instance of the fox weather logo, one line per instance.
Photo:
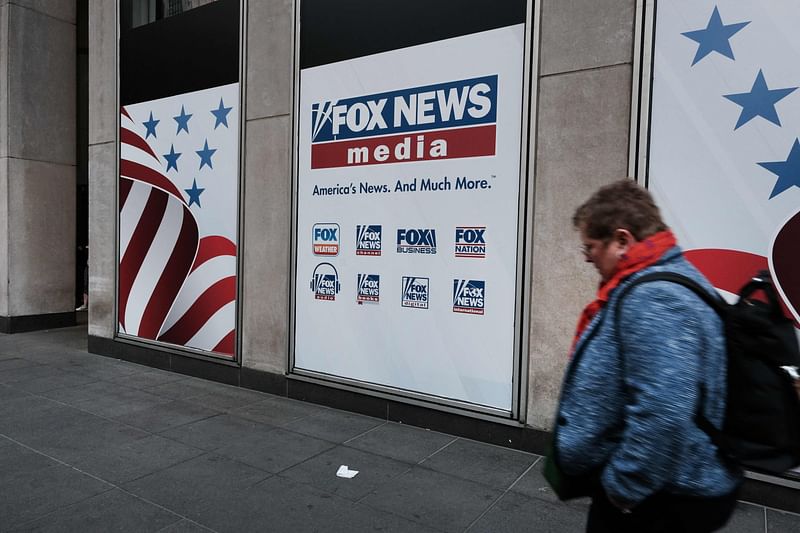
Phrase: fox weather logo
(416, 292)
(469, 296)
(326, 239)
(416, 241)
(470, 241)
(368, 239)
(325, 282)
(369, 288)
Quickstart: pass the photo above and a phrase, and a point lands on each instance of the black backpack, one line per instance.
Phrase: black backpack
(761, 430)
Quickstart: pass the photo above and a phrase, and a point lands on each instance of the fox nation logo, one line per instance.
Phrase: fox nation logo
(326, 239)
(416, 292)
(369, 288)
(325, 282)
(416, 241)
(470, 242)
(368, 239)
(469, 296)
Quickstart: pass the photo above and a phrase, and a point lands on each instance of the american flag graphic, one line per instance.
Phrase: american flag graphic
(178, 205)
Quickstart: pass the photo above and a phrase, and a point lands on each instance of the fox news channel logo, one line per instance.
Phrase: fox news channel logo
(368, 239)
(469, 296)
(325, 282)
(470, 241)
(416, 241)
(443, 121)
(416, 292)
(326, 239)
(369, 288)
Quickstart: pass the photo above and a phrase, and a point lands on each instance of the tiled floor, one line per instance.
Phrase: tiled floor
(88, 443)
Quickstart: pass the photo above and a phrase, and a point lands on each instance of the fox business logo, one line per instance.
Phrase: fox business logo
(416, 241)
(368, 239)
(416, 292)
(325, 282)
(369, 288)
(447, 120)
(470, 241)
(326, 239)
(469, 296)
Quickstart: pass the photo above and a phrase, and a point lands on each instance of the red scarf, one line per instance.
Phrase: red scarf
(640, 255)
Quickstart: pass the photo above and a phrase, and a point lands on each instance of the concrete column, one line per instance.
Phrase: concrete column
(37, 164)
(584, 87)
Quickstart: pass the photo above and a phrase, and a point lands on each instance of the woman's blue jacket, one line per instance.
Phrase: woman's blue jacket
(630, 393)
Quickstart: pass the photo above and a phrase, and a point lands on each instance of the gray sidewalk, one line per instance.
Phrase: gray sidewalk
(89, 443)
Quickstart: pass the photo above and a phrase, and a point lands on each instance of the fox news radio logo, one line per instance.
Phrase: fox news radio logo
(368, 239)
(369, 288)
(325, 282)
(416, 241)
(469, 296)
(416, 292)
(470, 241)
(442, 121)
(326, 239)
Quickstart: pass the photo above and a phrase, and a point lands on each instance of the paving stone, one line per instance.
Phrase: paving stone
(29, 373)
(216, 432)
(16, 459)
(111, 511)
(534, 485)
(181, 488)
(404, 443)
(436, 500)
(373, 472)
(779, 521)
(335, 426)
(480, 462)
(228, 398)
(277, 411)
(185, 388)
(98, 391)
(10, 363)
(185, 526)
(274, 450)
(515, 512)
(746, 518)
(148, 378)
(124, 402)
(63, 380)
(166, 416)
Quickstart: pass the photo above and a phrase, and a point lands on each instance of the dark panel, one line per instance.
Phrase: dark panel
(19, 324)
(263, 381)
(335, 31)
(337, 398)
(195, 50)
(200, 368)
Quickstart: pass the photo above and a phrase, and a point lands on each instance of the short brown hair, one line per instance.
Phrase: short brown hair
(622, 204)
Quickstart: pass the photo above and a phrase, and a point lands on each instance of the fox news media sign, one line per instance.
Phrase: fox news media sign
(408, 168)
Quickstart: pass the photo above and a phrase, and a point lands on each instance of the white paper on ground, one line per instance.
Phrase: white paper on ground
(346, 473)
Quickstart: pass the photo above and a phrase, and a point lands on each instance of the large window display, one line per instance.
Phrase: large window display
(408, 198)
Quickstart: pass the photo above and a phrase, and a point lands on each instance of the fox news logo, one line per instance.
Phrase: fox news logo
(469, 296)
(368, 239)
(416, 241)
(470, 241)
(326, 239)
(325, 282)
(446, 120)
(416, 292)
(369, 288)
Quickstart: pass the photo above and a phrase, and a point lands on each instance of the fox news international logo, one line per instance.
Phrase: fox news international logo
(416, 241)
(470, 241)
(416, 292)
(326, 239)
(443, 121)
(368, 239)
(369, 288)
(469, 296)
(325, 282)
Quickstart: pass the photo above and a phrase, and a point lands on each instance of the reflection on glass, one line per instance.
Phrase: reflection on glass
(135, 13)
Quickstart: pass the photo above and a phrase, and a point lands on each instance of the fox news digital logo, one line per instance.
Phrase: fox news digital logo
(443, 121)
(369, 288)
(416, 292)
(368, 239)
(326, 239)
(469, 296)
(325, 282)
(416, 241)
(470, 241)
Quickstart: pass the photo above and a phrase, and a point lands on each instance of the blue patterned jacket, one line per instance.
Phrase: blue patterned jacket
(629, 412)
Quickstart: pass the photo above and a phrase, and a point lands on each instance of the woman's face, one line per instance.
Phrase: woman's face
(605, 254)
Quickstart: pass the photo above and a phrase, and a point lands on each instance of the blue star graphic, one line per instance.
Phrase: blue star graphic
(151, 126)
(183, 121)
(788, 171)
(221, 114)
(205, 155)
(194, 194)
(759, 102)
(172, 158)
(715, 37)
